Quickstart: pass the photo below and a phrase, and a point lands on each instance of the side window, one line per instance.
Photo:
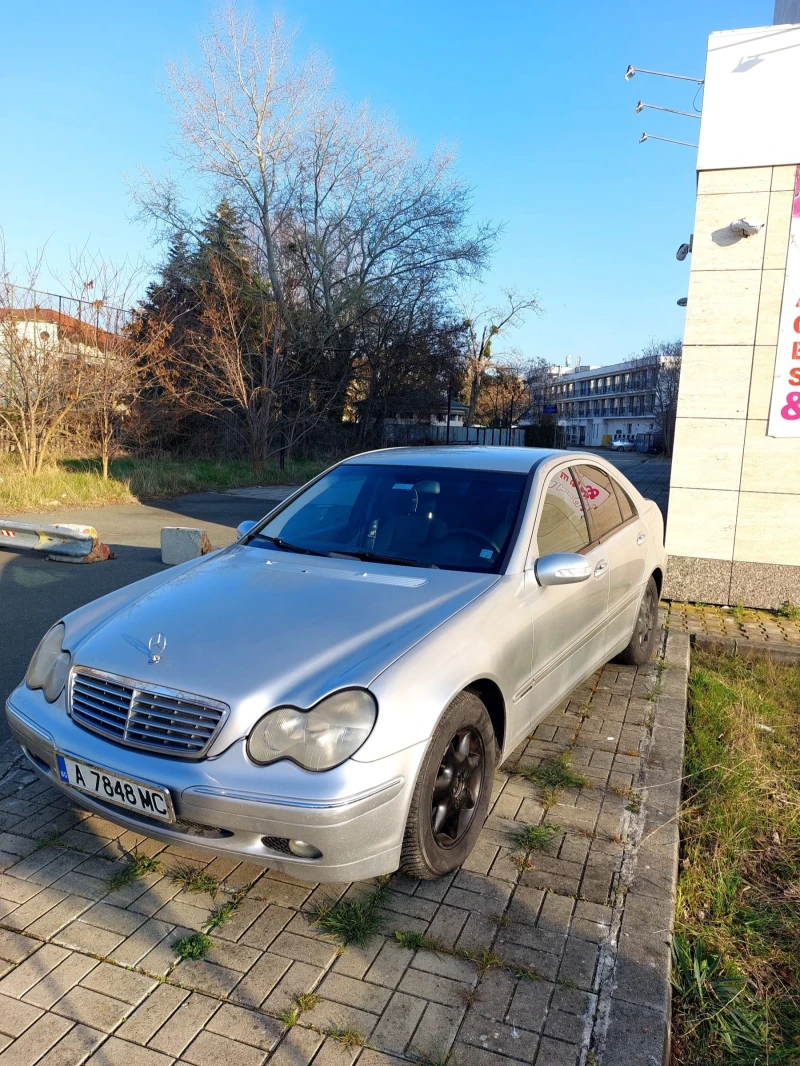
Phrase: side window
(601, 501)
(625, 502)
(562, 525)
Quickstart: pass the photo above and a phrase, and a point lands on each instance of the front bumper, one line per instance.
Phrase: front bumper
(355, 814)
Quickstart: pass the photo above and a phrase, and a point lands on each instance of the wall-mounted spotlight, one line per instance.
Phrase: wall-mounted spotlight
(657, 107)
(683, 301)
(654, 137)
(629, 73)
(747, 227)
(682, 252)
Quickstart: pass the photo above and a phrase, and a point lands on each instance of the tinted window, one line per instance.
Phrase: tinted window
(600, 499)
(562, 526)
(436, 516)
(624, 501)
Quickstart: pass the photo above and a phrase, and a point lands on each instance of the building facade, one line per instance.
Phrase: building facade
(594, 405)
(734, 511)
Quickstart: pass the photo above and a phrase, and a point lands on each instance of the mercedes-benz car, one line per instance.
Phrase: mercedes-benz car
(331, 694)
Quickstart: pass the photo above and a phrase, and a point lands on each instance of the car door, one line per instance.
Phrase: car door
(615, 524)
(568, 620)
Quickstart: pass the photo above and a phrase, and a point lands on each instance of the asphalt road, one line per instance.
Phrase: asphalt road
(35, 593)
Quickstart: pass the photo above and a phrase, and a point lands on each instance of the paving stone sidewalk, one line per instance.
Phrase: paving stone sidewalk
(555, 957)
(741, 624)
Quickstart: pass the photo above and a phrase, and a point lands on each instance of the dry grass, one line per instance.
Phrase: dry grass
(77, 482)
(736, 964)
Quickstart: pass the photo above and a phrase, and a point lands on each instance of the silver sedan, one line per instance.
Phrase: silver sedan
(331, 694)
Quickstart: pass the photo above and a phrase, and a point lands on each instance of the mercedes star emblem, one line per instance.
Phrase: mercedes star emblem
(156, 645)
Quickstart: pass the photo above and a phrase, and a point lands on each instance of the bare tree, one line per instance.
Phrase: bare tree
(43, 358)
(660, 362)
(344, 218)
(116, 365)
(483, 327)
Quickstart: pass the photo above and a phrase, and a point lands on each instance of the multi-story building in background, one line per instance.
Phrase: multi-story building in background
(595, 404)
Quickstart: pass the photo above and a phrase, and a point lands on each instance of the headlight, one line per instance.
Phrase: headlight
(318, 739)
(50, 664)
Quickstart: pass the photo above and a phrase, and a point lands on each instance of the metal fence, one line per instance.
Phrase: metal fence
(397, 433)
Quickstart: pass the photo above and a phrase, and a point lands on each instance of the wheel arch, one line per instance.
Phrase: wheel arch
(658, 577)
(488, 692)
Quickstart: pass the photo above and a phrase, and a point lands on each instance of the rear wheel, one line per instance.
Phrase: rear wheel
(643, 639)
(451, 797)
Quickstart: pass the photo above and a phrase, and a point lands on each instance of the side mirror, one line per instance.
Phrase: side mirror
(243, 528)
(561, 568)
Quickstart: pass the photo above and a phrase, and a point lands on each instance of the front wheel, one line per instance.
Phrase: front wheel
(643, 639)
(451, 797)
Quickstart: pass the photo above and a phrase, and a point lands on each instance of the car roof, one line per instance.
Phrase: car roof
(461, 457)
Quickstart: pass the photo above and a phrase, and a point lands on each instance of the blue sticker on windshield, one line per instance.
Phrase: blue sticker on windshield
(487, 553)
(400, 485)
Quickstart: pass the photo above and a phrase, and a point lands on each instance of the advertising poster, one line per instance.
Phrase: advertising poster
(784, 412)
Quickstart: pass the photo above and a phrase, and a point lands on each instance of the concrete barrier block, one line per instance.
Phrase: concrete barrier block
(181, 543)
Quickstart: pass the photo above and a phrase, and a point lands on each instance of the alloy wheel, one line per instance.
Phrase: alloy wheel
(457, 787)
(646, 622)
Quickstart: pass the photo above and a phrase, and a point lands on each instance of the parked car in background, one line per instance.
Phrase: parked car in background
(331, 694)
(622, 444)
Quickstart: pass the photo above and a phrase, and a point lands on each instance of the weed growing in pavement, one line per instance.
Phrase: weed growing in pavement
(195, 879)
(471, 996)
(353, 921)
(739, 613)
(735, 973)
(483, 960)
(223, 911)
(306, 1001)
(415, 941)
(533, 837)
(552, 776)
(347, 1037)
(290, 1016)
(790, 611)
(136, 866)
(527, 973)
(50, 841)
(194, 946)
(437, 1058)
(501, 919)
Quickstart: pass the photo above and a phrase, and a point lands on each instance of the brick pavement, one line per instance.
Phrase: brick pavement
(88, 973)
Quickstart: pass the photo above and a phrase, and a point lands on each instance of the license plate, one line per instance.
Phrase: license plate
(123, 791)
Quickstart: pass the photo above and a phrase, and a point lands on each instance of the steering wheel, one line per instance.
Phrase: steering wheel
(470, 533)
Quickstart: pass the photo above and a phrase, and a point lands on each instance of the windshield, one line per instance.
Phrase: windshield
(414, 515)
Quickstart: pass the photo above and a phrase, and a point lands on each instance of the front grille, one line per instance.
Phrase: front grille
(146, 717)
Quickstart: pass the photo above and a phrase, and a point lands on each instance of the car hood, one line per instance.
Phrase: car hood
(254, 628)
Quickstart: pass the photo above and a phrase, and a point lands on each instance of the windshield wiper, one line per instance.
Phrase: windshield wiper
(376, 557)
(279, 542)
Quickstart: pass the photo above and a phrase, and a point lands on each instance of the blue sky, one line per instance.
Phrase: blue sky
(532, 95)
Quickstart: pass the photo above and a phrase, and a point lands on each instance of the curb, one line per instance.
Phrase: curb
(634, 1011)
(748, 649)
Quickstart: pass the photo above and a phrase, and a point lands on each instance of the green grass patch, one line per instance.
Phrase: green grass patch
(736, 964)
(790, 610)
(78, 483)
(195, 879)
(352, 920)
(136, 866)
(533, 837)
(195, 946)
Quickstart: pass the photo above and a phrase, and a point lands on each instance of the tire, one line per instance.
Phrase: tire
(643, 638)
(461, 757)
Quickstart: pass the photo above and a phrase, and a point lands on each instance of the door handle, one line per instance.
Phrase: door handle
(641, 538)
(601, 567)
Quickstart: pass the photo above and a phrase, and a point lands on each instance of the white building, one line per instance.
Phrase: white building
(596, 404)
